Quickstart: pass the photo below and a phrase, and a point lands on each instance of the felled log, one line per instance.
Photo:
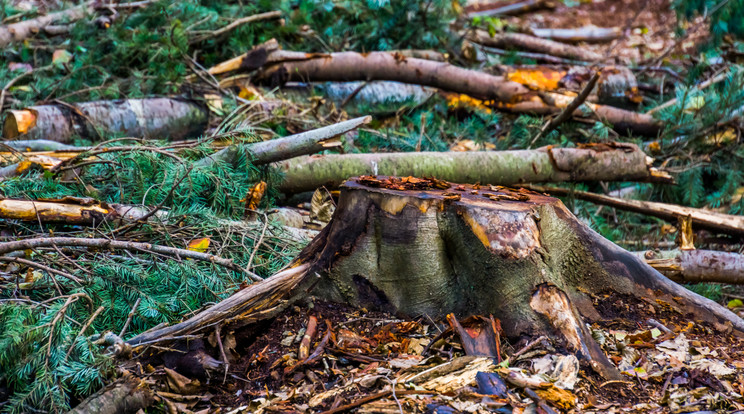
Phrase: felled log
(427, 247)
(17, 32)
(591, 34)
(158, 118)
(278, 149)
(616, 162)
(68, 210)
(701, 219)
(696, 266)
(509, 95)
(534, 44)
(511, 9)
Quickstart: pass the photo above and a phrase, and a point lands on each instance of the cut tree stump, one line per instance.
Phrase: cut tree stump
(427, 247)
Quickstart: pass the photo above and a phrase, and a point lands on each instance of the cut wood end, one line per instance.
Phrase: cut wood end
(660, 176)
(18, 122)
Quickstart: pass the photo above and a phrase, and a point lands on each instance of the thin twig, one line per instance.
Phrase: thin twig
(124, 245)
(129, 318)
(41, 267)
(248, 19)
(82, 330)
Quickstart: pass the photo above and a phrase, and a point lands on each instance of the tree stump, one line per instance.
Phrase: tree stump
(426, 247)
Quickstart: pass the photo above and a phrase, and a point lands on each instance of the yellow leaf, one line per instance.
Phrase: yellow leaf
(199, 245)
(736, 303)
(695, 103)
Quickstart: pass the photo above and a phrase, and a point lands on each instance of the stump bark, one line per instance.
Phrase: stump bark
(425, 247)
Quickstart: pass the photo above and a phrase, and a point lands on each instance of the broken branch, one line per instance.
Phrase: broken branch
(702, 219)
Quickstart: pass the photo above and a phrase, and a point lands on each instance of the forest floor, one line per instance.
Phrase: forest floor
(355, 360)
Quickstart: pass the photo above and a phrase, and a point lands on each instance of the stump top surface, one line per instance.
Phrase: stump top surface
(432, 189)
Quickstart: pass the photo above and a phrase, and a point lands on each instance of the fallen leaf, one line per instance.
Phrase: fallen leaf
(199, 245)
(61, 57)
(321, 205)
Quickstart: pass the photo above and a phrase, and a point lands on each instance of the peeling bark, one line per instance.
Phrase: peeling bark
(622, 162)
(157, 118)
(257, 302)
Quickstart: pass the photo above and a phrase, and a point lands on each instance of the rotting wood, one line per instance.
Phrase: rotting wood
(697, 266)
(701, 219)
(603, 162)
(157, 118)
(534, 44)
(309, 142)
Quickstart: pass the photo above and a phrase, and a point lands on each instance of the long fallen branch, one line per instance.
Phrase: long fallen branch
(309, 142)
(510, 9)
(534, 44)
(701, 219)
(696, 266)
(582, 34)
(282, 66)
(150, 118)
(602, 162)
(38, 242)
